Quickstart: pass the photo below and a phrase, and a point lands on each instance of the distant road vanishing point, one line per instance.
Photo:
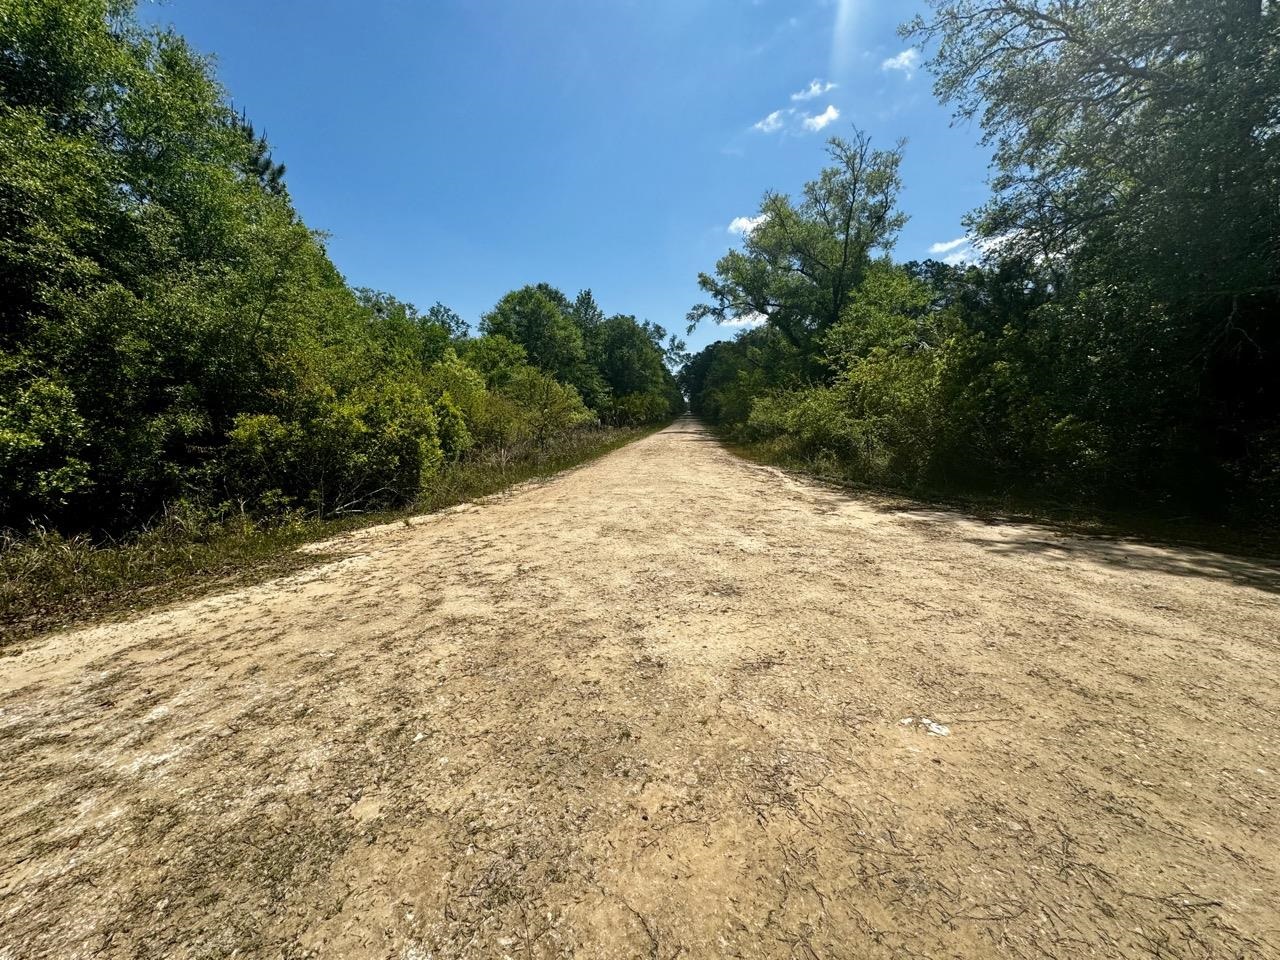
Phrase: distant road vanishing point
(669, 704)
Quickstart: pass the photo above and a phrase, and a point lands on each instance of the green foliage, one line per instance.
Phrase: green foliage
(723, 380)
(371, 449)
(802, 261)
(171, 332)
(536, 318)
(451, 426)
(41, 438)
(547, 408)
(1117, 344)
(616, 364)
(814, 422)
(651, 406)
(1070, 396)
(1138, 159)
(1141, 129)
(639, 388)
(403, 336)
(494, 357)
(445, 318)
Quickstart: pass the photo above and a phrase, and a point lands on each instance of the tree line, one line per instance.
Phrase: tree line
(1116, 341)
(171, 332)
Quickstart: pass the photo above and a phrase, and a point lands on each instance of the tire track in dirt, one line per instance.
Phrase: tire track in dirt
(655, 707)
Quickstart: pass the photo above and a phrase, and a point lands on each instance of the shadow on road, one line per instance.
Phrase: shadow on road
(1137, 555)
(1016, 537)
(690, 428)
(1208, 553)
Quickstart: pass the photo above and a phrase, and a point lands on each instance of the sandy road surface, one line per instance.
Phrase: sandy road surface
(657, 708)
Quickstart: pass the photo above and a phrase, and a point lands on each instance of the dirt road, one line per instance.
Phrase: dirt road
(671, 704)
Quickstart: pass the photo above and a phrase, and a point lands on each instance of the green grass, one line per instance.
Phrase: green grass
(48, 581)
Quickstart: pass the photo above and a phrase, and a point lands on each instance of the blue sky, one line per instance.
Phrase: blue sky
(456, 150)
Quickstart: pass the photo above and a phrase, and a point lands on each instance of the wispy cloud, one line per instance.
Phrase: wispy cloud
(816, 88)
(827, 116)
(959, 252)
(905, 62)
(744, 226)
(789, 120)
(948, 245)
(750, 320)
(970, 249)
(770, 124)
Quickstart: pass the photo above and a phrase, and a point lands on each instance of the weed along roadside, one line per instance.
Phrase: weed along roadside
(48, 581)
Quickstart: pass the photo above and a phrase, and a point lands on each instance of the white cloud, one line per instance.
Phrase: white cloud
(960, 251)
(816, 88)
(770, 124)
(829, 115)
(744, 226)
(970, 249)
(906, 62)
(785, 118)
(949, 245)
(751, 320)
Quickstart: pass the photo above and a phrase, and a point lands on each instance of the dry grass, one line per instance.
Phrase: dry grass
(48, 580)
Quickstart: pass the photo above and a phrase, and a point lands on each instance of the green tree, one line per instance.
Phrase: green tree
(448, 320)
(171, 332)
(632, 366)
(537, 320)
(548, 409)
(494, 357)
(1142, 128)
(801, 263)
(1138, 159)
(404, 335)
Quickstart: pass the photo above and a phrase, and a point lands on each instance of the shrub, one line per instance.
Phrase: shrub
(372, 449)
(544, 407)
(455, 438)
(41, 438)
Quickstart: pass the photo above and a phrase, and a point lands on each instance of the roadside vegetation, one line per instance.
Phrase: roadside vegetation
(49, 579)
(187, 382)
(1105, 336)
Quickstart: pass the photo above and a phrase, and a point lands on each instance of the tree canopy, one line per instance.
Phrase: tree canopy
(803, 258)
(171, 332)
(1116, 343)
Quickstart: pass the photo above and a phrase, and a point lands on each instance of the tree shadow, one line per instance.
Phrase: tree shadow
(1208, 554)
(689, 427)
(1249, 558)
(1132, 554)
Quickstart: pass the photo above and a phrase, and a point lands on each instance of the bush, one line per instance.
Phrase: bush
(545, 408)
(42, 436)
(651, 406)
(813, 421)
(455, 438)
(373, 449)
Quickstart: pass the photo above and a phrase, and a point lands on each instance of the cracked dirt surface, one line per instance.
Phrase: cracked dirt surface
(668, 704)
